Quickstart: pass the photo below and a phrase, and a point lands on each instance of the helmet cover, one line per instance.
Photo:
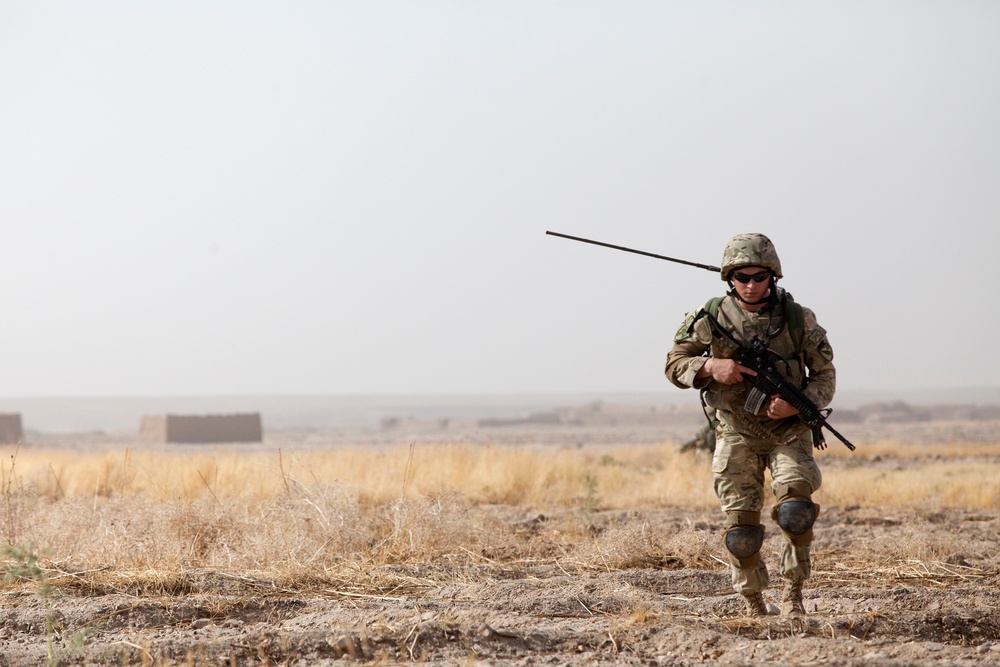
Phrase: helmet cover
(750, 250)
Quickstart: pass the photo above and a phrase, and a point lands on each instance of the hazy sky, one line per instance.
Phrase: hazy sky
(352, 197)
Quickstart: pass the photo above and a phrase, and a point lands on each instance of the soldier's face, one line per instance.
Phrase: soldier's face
(751, 290)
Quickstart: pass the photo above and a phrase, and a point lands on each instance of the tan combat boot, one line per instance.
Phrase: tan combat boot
(791, 601)
(755, 604)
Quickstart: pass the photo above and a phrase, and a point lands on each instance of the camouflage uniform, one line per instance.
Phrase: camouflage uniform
(747, 444)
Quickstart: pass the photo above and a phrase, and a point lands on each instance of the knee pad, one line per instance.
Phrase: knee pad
(796, 517)
(744, 542)
(795, 512)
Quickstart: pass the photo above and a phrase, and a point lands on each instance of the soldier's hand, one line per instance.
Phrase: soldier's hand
(727, 371)
(779, 408)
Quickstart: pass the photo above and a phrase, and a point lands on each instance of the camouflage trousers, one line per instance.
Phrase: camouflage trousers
(738, 469)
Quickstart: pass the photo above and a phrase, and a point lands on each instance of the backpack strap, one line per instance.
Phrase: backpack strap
(712, 308)
(712, 305)
(795, 316)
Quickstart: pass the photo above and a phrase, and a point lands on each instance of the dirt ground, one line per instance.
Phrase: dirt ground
(865, 606)
(547, 612)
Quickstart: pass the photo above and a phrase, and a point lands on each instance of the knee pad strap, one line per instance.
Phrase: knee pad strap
(742, 518)
(797, 490)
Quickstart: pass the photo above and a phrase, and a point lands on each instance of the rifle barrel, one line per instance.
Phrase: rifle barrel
(707, 267)
(847, 443)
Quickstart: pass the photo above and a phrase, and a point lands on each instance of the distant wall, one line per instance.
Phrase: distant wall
(244, 427)
(10, 428)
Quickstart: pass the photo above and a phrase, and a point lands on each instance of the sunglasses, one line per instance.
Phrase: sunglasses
(758, 277)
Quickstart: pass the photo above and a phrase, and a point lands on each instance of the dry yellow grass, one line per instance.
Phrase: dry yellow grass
(618, 477)
(529, 476)
(949, 475)
(132, 520)
(933, 484)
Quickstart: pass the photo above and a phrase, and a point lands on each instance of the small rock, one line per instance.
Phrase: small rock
(200, 623)
(773, 610)
(933, 646)
(875, 656)
(983, 648)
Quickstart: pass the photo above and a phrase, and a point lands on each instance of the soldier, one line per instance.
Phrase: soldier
(773, 438)
(703, 440)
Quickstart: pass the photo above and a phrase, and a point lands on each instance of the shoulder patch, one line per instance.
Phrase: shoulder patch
(816, 335)
(685, 332)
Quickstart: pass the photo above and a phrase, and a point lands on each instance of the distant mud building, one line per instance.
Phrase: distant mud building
(245, 427)
(10, 428)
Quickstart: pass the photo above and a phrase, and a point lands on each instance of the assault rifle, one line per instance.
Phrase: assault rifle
(769, 382)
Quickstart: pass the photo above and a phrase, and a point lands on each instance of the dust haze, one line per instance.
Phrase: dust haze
(246, 199)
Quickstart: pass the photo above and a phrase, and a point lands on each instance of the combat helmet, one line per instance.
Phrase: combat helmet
(750, 250)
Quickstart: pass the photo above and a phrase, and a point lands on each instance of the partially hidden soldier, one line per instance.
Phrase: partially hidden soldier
(773, 438)
(703, 440)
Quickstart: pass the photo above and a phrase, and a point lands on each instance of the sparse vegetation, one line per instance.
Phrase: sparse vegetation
(307, 511)
(356, 524)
